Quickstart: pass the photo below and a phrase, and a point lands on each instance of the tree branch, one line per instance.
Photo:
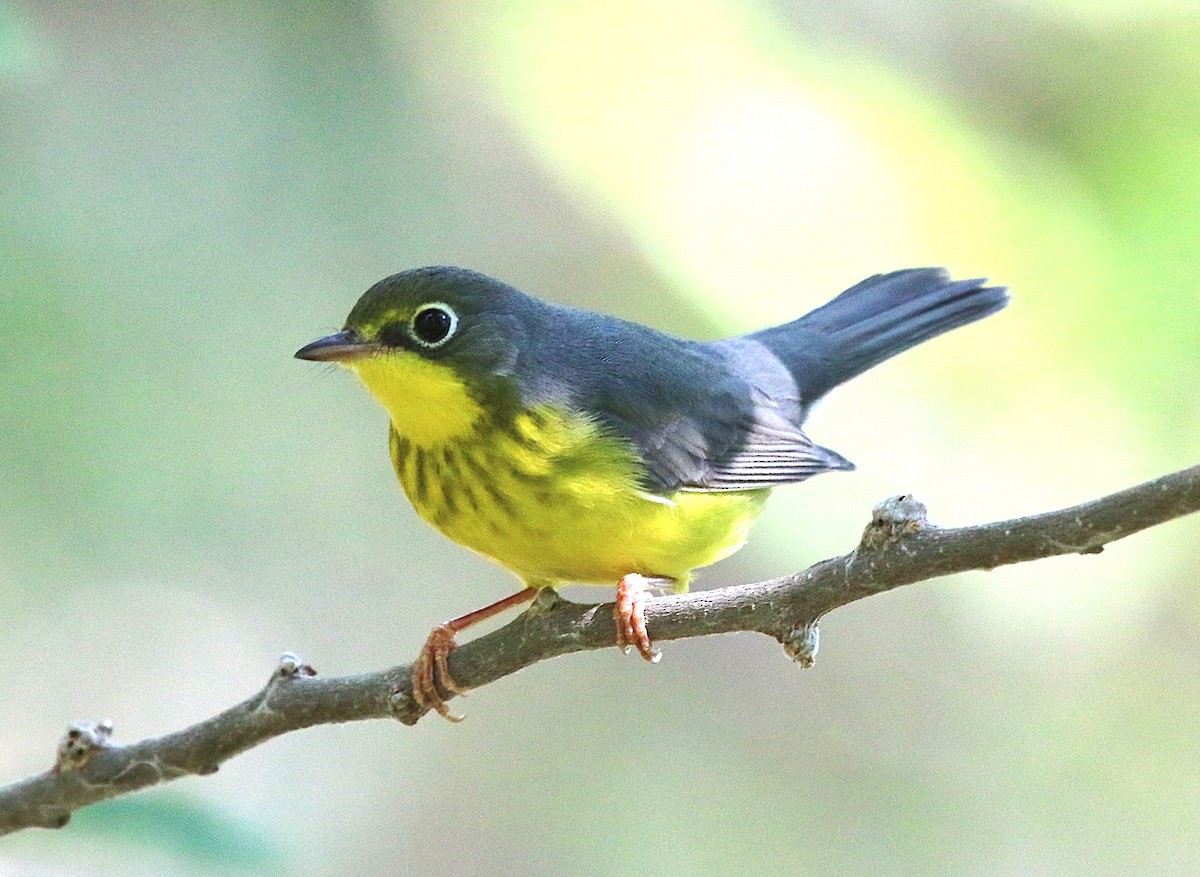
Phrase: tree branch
(898, 547)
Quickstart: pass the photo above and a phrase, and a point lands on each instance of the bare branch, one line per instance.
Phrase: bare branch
(898, 548)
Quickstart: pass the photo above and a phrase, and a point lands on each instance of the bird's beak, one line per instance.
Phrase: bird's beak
(342, 347)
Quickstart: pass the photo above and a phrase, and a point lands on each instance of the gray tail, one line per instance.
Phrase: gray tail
(873, 321)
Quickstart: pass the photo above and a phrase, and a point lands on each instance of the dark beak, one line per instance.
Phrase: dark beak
(342, 347)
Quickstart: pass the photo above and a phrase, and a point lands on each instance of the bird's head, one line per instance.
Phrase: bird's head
(434, 345)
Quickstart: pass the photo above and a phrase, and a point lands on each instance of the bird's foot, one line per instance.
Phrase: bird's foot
(629, 614)
(430, 669)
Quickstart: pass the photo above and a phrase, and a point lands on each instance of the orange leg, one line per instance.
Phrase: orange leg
(430, 668)
(629, 614)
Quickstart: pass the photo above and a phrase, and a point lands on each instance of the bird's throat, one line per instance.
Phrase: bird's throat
(428, 403)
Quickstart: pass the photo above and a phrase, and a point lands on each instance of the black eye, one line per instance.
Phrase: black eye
(434, 324)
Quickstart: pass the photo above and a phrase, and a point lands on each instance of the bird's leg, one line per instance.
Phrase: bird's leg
(431, 668)
(629, 614)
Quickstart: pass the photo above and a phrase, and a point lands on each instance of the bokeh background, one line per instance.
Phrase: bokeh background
(189, 192)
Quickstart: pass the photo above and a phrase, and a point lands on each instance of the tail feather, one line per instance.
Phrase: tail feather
(874, 320)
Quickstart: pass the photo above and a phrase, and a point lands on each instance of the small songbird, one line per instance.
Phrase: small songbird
(571, 446)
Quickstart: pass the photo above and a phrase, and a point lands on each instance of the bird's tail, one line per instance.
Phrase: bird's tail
(873, 321)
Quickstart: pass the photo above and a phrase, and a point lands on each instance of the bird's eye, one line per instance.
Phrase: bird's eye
(434, 324)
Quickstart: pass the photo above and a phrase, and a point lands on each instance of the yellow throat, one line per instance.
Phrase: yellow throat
(429, 405)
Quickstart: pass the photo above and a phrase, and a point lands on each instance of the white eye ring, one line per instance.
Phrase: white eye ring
(426, 332)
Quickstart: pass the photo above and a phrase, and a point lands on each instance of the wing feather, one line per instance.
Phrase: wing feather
(701, 416)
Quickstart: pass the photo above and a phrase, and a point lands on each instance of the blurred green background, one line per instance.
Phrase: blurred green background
(189, 192)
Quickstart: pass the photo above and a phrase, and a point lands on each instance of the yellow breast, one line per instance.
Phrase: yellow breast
(547, 493)
(555, 499)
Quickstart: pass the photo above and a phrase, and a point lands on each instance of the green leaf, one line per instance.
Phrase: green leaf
(180, 827)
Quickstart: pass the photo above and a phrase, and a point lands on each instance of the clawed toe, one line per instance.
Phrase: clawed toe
(431, 668)
(629, 615)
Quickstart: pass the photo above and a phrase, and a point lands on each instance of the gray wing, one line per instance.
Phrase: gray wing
(764, 452)
(738, 438)
(715, 416)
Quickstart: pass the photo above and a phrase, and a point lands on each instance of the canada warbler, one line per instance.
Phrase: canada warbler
(571, 446)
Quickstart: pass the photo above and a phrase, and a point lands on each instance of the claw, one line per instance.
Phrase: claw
(430, 668)
(629, 615)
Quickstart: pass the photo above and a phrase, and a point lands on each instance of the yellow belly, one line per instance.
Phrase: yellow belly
(555, 500)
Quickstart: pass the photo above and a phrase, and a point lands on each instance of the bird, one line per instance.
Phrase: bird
(576, 447)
